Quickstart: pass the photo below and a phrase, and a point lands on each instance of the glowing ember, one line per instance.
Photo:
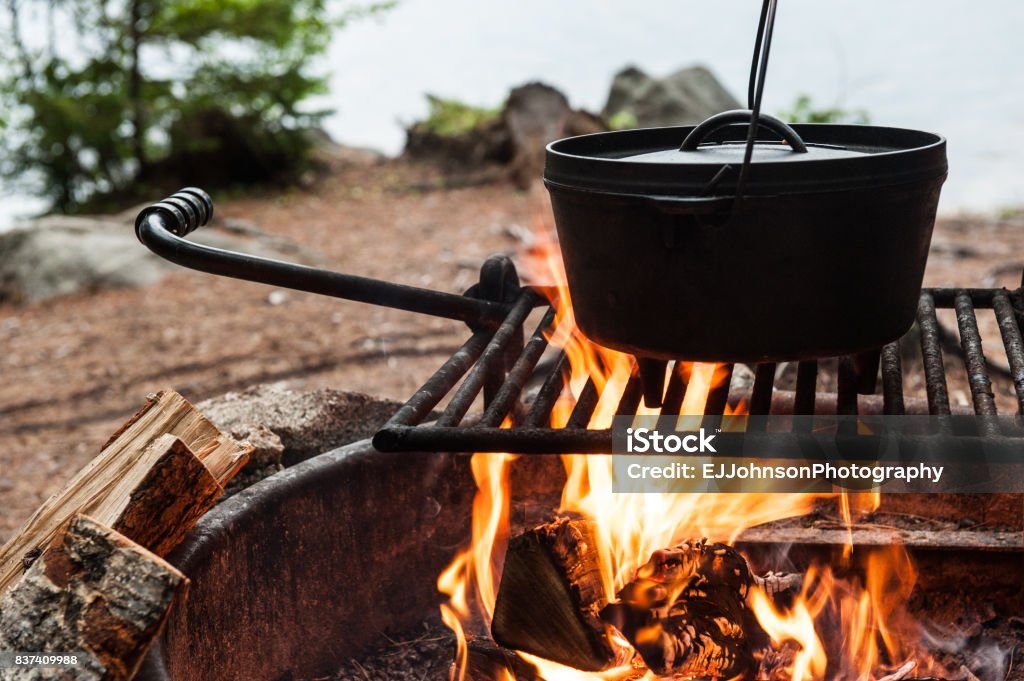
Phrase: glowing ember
(836, 628)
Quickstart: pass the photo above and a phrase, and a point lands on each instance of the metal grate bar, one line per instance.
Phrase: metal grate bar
(846, 404)
(718, 396)
(444, 379)
(494, 353)
(652, 377)
(1012, 341)
(892, 380)
(405, 432)
(806, 384)
(977, 371)
(631, 394)
(540, 411)
(585, 405)
(931, 353)
(676, 391)
(946, 297)
(512, 387)
(516, 440)
(764, 384)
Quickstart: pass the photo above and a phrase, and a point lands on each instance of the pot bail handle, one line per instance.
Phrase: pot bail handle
(719, 121)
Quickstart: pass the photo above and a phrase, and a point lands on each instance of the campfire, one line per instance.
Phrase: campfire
(586, 583)
(617, 586)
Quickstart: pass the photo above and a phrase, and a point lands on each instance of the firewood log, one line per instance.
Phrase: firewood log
(93, 593)
(686, 612)
(157, 505)
(551, 595)
(153, 479)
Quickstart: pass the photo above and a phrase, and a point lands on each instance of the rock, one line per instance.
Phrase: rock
(305, 423)
(534, 115)
(264, 460)
(58, 255)
(686, 97)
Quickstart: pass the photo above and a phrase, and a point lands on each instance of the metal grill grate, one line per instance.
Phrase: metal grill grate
(498, 363)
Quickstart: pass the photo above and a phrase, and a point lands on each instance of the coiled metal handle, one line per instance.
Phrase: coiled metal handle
(184, 212)
(163, 226)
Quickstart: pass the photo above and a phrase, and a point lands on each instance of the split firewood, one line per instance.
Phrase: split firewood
(94, 594)
(551, 596)
(686, 612)
(152, 481)
(162, 497)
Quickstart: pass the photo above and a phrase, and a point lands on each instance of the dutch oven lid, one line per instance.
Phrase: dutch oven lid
(703, 160)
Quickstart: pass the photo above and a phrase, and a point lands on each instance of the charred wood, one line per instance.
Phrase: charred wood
(686, 612)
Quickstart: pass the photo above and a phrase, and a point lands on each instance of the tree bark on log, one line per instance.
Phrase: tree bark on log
(153, 479)
(175, 490)
(94, 593)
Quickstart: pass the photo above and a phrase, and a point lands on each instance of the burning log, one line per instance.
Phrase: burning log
(551, 596)
(93, 594)
(486, 661)
(686, 612)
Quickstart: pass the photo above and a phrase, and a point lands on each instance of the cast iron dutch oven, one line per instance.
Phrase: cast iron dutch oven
(819, 251)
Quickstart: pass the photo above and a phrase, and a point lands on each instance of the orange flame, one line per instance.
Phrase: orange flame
(868, 622)
(474, 569)
(630, 527)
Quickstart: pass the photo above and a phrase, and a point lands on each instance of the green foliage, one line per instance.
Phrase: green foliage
(133, 91)
(804, 111)
(624, 120)
(451, 118)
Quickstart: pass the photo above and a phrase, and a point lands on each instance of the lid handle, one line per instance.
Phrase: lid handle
(719, 121)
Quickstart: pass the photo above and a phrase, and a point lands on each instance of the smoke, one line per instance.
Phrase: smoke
(985, 657)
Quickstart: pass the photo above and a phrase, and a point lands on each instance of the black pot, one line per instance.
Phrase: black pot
(823, 254)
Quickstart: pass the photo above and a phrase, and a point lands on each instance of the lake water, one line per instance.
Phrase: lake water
(947, 66)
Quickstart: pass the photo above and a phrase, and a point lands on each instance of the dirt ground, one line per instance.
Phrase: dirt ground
(76, 367)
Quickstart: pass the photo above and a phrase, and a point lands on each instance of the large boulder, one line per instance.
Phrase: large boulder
(686, 97)
(536, 114)
(512, 139)
(59, 254)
